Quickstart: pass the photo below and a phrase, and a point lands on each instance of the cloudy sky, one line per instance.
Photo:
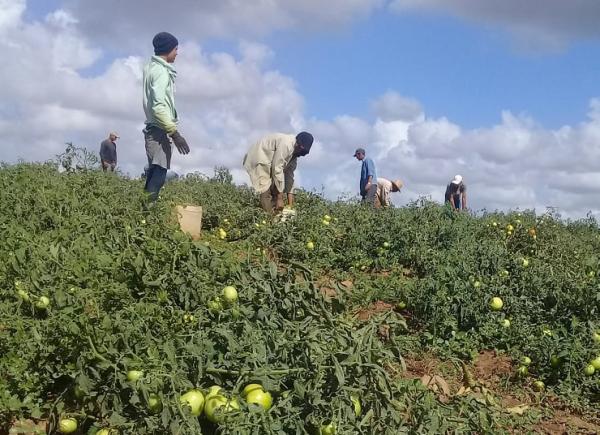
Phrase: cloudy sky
(505, 93)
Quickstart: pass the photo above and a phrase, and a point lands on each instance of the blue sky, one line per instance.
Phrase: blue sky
(466, 72)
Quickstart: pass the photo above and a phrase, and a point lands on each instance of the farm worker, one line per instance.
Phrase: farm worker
(368, 177)
(271, 163)
(384, 188)
(161, 115)
(108, 152)
(456, 193)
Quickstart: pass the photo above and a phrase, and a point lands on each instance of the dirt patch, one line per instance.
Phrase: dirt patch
(329, 288)
(375, 308)
(563, 422)
(491, 367)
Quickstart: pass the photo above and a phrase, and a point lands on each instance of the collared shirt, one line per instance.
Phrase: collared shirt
(271, 161)
(159, 94)
(108, 151)
(367, 170)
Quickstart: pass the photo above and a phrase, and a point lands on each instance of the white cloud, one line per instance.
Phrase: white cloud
(118, 23)
(393, 106)
(537, 24)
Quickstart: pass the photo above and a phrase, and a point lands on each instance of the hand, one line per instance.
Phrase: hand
(180, 143)
(367, 187)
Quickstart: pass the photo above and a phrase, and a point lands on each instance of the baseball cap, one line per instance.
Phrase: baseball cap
(359, 151)
(457, 179)
(398, 183)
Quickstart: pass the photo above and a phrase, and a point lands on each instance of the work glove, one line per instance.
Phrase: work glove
(180, 143)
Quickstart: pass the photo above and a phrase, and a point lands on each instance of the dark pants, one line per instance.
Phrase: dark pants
(268, 199)
(155, 180)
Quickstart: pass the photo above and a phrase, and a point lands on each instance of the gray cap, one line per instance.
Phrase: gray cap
(359, 151)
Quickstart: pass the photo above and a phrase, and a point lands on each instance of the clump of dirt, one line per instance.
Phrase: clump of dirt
(491, 366)
(375, 308)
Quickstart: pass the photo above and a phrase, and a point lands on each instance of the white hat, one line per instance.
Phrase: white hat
(457, 179)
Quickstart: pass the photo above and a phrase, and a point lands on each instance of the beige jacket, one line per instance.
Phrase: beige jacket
(384, 188)
(271, 161)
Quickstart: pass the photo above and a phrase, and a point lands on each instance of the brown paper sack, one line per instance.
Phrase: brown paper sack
(190, 219)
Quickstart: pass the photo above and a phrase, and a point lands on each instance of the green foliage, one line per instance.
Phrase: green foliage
(123, 283)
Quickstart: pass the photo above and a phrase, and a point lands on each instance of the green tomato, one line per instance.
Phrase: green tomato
(596, 337)
(525, 262)
(505, 323)
(194, 399)
(522, 371)
(212, 391)
(328, 429)
(496, 304)
(526, 361)
(230, 294)
(67, 425)
(310, 246)
(154, 403)
(107, 432)
(218, 406)
(356, 402)
(325, 222)
(215, 306)
(134, 375)
(261, 398)
(596, 363)
(477, 284)
(554, 361)
(327, 217)
(78, 392)
(42, 303)
(538, 386)
(401, 305)
(23, 295)
(386, 244)
(251, 387)
(589, 370)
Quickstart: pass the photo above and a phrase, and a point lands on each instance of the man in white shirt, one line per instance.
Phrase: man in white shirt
(384, 188)
(271, 163)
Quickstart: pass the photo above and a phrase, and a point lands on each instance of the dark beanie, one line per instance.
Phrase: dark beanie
(305, 139)
(164, 42)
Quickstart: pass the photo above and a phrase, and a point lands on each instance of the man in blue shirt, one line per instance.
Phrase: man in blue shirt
(368, 177)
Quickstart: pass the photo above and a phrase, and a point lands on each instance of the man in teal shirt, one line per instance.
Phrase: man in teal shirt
(161, 115)
(368, 177)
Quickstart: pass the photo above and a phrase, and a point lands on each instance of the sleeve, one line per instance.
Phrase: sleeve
(288, 174)
(463, 188)
(160, 109)
(278, 166)
(370, 168)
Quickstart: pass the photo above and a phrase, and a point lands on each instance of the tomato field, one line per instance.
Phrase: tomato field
(348, 320)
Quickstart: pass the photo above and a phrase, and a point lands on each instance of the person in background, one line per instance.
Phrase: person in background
(161, 115)
(271, 163)
(456, 193)
(368, 177)
(384, 188)
(108, 153)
